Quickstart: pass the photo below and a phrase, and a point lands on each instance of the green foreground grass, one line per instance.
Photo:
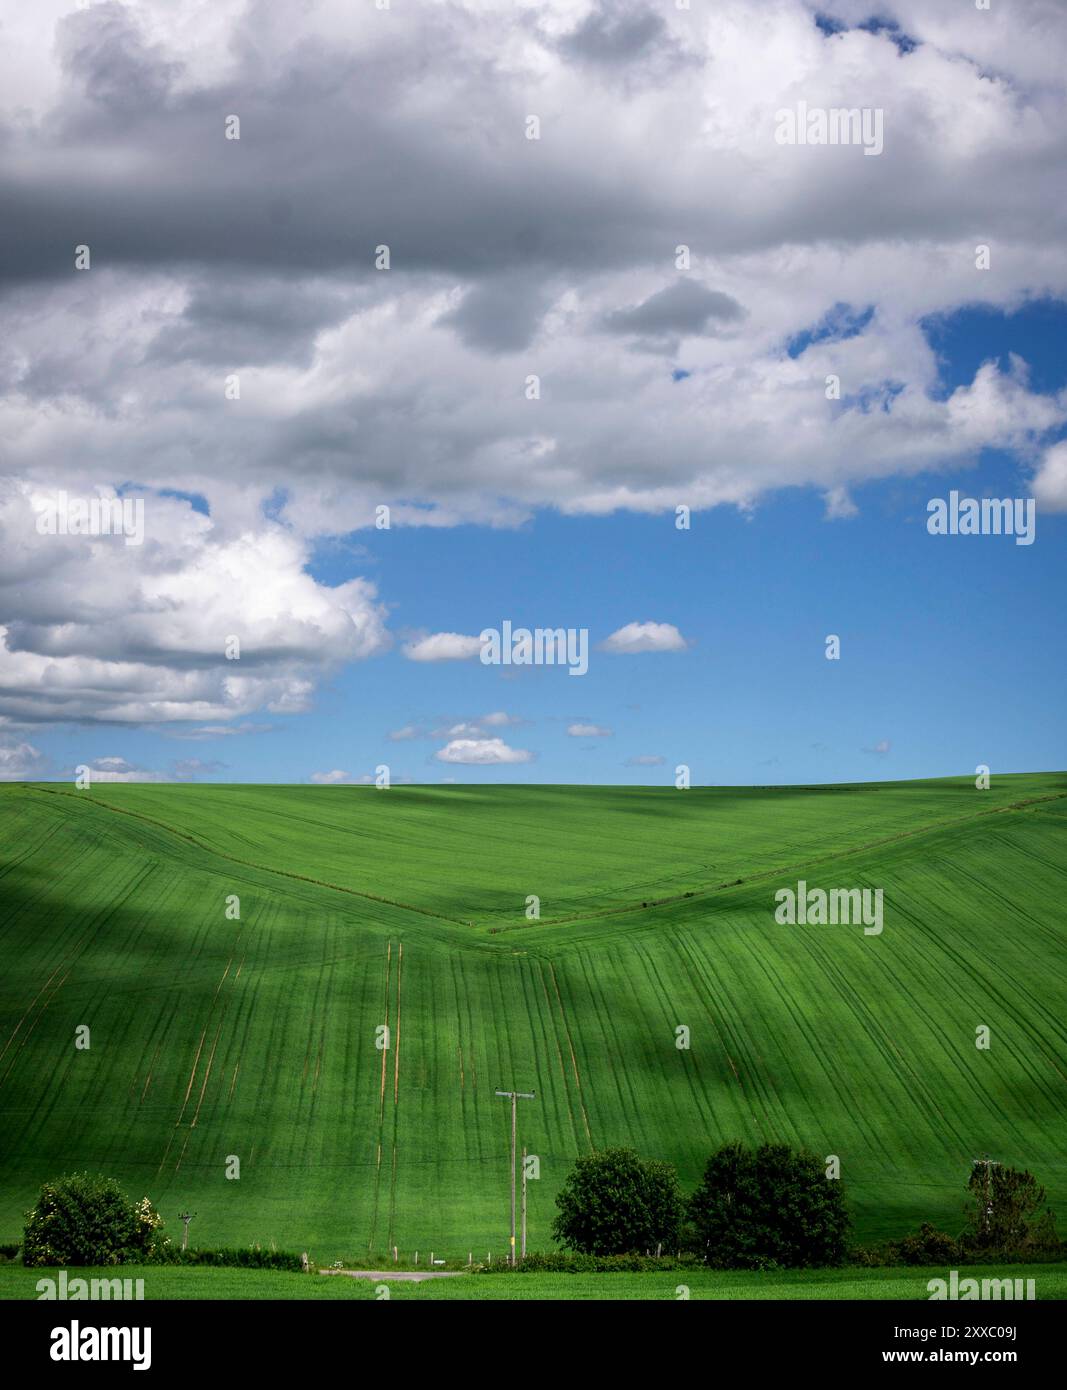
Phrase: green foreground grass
(215, 1038)
(162, 1282)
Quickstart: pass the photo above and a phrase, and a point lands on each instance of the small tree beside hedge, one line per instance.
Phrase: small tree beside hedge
(83, 1220)
(768, 1207)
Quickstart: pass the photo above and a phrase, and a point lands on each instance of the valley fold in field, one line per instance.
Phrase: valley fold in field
(215, 1037)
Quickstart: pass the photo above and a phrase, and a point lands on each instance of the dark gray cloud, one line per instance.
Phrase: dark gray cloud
(235, 319)
(499, 316)
(329, 164)
(682, 309)
(614, 33)
(105, 55)
(336, 157)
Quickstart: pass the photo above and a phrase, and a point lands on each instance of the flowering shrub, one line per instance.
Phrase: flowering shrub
(83, 1220)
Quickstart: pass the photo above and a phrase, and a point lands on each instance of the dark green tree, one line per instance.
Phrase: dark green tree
(1007, 1211)
(615, 1203)
(83, 1220)
(757, 1208)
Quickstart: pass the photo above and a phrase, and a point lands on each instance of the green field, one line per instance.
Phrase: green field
(1050, 1282)
(255, 1038)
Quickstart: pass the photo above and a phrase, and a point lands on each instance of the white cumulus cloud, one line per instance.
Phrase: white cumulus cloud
(20, 761)
(1050, 480)
(481, 752)
(442, 646)
(644, 637)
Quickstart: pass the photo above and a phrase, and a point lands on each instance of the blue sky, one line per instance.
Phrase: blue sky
(951, 650)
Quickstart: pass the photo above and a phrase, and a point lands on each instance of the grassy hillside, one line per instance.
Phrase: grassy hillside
(256, 1038)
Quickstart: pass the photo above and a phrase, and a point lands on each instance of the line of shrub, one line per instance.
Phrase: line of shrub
(930, 1247)
(235, 1258)
(559, 1262)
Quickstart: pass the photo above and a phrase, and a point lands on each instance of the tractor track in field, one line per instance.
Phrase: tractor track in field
(223, 1010)
(708, 890)
(381, 1105)
(251, 863)
(70, 956)
(570, 1048)
(760, 875)
(395, 1039)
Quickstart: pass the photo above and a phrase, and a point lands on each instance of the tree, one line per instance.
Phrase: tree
(768, 1206)
(1004, 1212)
(83, 1220)
(615, 1203)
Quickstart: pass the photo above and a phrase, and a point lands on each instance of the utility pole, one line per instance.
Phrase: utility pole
(987, 1163)
(524, 1201)
(185, 1217)
(514, 1097)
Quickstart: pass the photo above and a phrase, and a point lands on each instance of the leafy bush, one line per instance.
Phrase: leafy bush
(83, 1220)
(613, 1203)
(768, 1208)
(927, 1246)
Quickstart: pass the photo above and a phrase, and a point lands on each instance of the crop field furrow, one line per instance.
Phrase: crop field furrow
(664, 1059)
(684, 963)
(392, 1123)
(667, 1076)
(826, 1060)
(305, 878)
(731, 1021)
(877, 1041)
(898, 1062)
(552, 1059)
(573, 1059)
(992, 999)
(385, 1015)
(593, 1033)
(1026, 1039)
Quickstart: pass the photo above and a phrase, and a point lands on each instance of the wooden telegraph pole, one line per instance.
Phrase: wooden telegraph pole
(185, 1217)
(515, 1097)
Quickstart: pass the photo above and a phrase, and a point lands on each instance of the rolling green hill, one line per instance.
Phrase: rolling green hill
(213, 1037)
